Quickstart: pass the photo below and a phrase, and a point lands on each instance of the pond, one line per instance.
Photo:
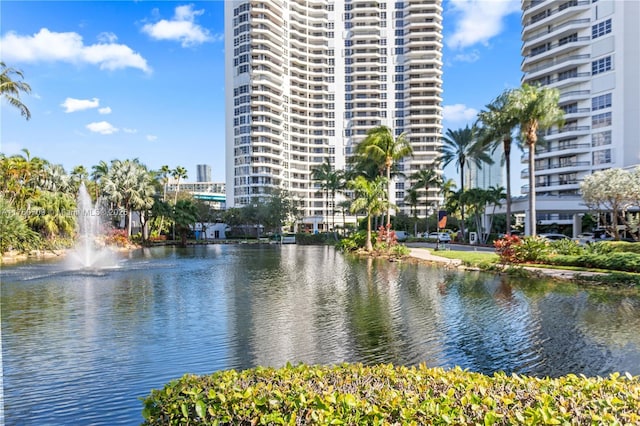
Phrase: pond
(81, 347)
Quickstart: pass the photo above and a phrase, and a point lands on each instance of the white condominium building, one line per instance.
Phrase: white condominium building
(305, 81)
(590, 51)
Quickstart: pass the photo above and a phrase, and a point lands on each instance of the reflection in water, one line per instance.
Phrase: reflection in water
(80, 348)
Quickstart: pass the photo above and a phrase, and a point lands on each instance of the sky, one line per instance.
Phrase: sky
(145, 79)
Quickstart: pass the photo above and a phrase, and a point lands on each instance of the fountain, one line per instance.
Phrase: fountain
(88, 252)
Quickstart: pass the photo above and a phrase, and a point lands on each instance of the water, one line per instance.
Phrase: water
(88, 252)
(80, 347)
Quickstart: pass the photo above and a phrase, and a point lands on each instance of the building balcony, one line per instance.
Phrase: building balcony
(537, 17)
(554, 50)
(554, 65)
(555, 31)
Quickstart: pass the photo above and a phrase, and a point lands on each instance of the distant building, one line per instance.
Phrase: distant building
(204, 172)
(489, 175)
(305, 81)
(212, 192)
(590, 52)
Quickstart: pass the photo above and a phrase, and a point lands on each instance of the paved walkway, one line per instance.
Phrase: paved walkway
(562, 274)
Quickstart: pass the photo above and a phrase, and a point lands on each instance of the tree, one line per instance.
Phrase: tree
(370, 197)
(426, 179)
(99, 171)
(178, 173)
(496, 128)
(412, 200)
(535, 110)
(382, 147)
(52, 216)
(78, 175)
(15, 234)
(613, 191)
(10, 89)
(128, 184)
(463, 147)
(185, 215)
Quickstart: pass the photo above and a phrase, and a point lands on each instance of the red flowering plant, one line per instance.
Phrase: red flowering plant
(506, 248)
(386, 238)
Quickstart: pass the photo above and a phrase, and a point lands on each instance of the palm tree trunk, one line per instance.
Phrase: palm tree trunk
(461, 203)
(507, 158)
(388, 197)
(532, 189)
(368, 245)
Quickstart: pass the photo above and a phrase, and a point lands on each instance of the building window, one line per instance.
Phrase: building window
(400, 185)
(602, 157)
(601, 102)
(601, 138)
(601, 28)
(601, 120)
(601, 65)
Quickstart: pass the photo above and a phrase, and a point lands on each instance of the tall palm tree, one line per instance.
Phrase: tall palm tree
(164, 173)
(178, 173)
(370, 196)
(99, 171)
(412, 200)
(426, 179)
(381, 146)
(463, 147)
(496, 127)
(10, 89)
(535, 109)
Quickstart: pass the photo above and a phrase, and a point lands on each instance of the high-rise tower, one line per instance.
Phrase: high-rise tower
(590, 51)
(306, 79)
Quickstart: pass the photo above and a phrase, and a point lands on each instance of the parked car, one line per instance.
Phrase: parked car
(401, 235)
(554, 237)
(442, 237)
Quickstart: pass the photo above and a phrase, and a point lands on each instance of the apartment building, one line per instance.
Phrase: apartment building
(590, 51)
(305, 81)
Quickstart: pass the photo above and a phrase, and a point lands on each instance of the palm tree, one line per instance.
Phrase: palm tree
(185, 214)
(381, 146)
(54, 219)
(463, 147)
(331, 181)
(412, 200)
(178, 173)
(10, 89)
(99, 171)
(78, 175)
(164, 173)
(427, 179)
(370, 196)
(535, 109)
(497, 125)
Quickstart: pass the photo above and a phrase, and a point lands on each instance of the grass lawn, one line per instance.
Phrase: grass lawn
(474, 258)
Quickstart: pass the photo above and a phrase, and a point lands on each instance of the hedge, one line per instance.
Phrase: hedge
(615, 261)
(356, 394)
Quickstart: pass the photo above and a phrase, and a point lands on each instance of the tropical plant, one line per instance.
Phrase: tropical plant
(370, 197)
(412, 200)
(330, 181)
(10, 89)
(535, 109)
(496, 129)
(98, 172)
(381, 146)
(185, 214)
(178, 173)
(427, 179)
(463, 148)
(15, 234)
(53, 215)
(128, 184)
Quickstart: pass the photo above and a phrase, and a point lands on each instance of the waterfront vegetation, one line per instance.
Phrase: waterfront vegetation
(387, 394)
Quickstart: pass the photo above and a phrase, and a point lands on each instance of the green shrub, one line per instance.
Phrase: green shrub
(624, 246)
(384, 394)
(616, 261)
(600, 247)
(532, 249)
(566, 247)
(307, 239)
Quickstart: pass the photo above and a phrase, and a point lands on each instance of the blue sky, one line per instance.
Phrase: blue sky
(145, 79)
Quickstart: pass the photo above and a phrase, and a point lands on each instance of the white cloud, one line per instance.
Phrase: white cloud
(107, 37)
(181, 28)
(104, 111)
(73, 105)
(102, 127)
(459, 113)
(48, 46)
(131, 131)
(477, 21)
(151, 138)
(467, 57)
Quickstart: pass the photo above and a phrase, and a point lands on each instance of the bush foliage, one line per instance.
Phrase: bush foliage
(355, 394)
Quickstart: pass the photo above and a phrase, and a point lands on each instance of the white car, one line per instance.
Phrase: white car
(443, 237)
(554, 237)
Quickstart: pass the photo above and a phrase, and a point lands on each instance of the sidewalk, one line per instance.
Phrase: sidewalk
(561, 274)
